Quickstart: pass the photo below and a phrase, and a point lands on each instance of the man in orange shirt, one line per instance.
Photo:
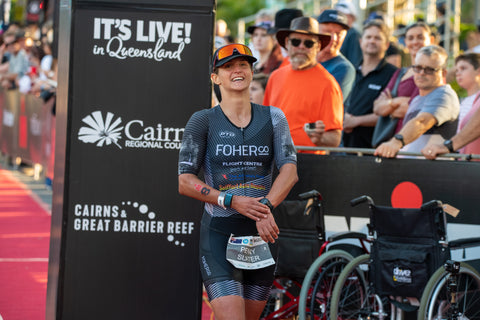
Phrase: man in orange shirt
(306, 92)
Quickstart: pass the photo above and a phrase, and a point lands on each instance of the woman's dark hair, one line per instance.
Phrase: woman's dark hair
(472, 58)
(37, 52)
(421, 24)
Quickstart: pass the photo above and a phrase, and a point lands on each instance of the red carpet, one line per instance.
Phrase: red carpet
(24, 241)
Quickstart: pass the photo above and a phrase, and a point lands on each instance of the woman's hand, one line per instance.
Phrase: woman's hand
(250, 207)
(268, 229)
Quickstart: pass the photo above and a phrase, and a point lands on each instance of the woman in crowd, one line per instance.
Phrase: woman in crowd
(236, 143)
(257, 88)
(467, 73)
(270, 55)
(417, 35)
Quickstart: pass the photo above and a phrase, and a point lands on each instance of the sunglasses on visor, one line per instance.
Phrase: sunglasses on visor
(231, 49)
(307, 43)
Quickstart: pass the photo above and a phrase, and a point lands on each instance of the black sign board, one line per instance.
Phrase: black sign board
(129, 240)
(390, 182)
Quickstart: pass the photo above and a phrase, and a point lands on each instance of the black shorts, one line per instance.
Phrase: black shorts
(220, 277)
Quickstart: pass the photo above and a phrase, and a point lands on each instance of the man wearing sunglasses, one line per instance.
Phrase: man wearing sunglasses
(304, 90)
(432, 116)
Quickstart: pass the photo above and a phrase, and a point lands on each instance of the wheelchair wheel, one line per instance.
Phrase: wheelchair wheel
(318, 284)
(352, 297)
(435, 302)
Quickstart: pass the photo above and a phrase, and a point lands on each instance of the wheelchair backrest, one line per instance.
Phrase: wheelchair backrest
(427, 222)
(301, 215)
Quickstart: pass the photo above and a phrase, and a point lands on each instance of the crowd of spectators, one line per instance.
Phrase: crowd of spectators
(339, 86)
(27, 62)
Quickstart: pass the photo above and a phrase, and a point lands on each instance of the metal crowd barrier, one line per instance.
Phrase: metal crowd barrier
(361, 152)
(27, 131)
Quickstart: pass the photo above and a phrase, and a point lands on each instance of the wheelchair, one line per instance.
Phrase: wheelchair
(404, 271)
(302, 255)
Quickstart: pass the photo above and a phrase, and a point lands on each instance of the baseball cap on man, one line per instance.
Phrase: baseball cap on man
(230, 52)
(346, 7)
(305, 25)
(333, 16)
(264, 25)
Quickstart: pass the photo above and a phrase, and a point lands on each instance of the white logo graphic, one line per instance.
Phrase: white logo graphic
(227, 134)
(138, 134)
(99, 131)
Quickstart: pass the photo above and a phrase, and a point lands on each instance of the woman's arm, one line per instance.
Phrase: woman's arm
(191, 186)
(282, 185)
(286, 179)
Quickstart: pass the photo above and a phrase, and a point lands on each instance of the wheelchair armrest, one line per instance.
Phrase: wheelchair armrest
(464, 243)
(347, 235)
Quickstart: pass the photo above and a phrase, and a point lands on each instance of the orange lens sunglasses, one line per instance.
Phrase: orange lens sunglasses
(228, 50)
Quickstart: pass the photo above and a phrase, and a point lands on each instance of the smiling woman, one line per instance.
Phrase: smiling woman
(236, 143)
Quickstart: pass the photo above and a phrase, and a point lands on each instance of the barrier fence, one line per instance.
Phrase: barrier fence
(27, 131)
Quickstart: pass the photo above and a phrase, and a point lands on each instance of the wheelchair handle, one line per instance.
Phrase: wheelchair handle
(431, 204)
(361, 199)
(310, 194)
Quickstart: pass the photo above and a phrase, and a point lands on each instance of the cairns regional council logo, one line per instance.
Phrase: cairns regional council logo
(109, 130)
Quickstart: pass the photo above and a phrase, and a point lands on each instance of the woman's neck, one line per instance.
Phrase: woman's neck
(238, 110)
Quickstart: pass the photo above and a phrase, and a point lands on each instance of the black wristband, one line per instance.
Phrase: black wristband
(266, 202)
(399, 137)
(449, 145)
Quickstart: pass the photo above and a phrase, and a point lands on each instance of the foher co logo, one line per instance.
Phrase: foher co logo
(129, 217)
(109, 130)
(154, 40)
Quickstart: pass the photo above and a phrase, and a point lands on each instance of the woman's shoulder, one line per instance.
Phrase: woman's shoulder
(273, 111)
(204, 113)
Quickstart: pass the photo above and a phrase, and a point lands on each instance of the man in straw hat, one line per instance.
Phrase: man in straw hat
(309, 96)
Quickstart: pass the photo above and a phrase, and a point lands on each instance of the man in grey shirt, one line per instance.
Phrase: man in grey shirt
(433, 115)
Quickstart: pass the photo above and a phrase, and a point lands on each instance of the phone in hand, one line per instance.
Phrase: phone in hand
(309, 127)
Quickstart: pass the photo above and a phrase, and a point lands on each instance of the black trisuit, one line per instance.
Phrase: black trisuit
(238, 161)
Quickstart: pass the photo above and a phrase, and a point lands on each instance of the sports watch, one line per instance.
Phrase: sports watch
(266, 202)
(399, 137)
(449, 145)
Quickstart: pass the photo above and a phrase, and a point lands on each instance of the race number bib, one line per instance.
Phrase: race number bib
(249, 252)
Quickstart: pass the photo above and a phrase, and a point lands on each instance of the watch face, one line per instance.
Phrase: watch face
(399, 137)
(449, 145)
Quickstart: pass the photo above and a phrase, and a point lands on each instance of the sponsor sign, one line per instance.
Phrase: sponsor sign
(129, 240)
